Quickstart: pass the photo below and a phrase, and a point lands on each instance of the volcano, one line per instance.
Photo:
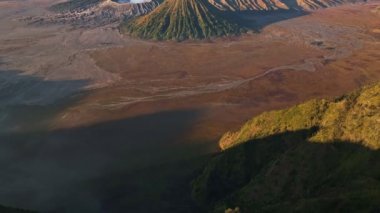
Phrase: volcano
(180, 20)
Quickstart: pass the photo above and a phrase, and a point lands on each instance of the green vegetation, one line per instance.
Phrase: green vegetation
(352, 117)
(73, 5)
(321, 156)
(180, 20)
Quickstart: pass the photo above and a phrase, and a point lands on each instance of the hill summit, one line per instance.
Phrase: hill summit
(180, 20)
(351, 117)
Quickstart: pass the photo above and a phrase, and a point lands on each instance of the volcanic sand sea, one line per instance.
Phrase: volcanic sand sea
(318, 55)
(93, 121)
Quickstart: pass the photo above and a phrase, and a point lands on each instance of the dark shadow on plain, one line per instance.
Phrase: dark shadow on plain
(286, 172)
(17, 88)
(132, 165)
(27, 101)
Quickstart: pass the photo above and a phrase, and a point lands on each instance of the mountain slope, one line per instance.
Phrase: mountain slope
(270, 5)
(93, 13)
(351, 117)
(181, 19)
(320, 156)
(74, 5)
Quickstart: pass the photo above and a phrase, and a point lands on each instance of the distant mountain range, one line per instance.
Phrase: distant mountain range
(126, 9)
(320, 156)
(199, 19)
(178, 19)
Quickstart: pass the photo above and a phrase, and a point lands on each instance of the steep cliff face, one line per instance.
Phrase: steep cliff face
(181, 19)
(315, 157)
(270, 5)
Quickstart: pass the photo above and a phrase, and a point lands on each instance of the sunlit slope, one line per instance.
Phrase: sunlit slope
(354, 117)
(321, 156)
(181, 19)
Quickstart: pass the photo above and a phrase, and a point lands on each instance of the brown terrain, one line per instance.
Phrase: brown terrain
(92, 120)
(229, 80)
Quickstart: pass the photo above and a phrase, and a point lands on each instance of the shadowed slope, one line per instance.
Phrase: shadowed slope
(181, 19)
(286, 173)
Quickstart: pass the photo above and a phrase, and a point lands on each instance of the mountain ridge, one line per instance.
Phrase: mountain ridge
(334, 118)
(93, 13)
(272, 5)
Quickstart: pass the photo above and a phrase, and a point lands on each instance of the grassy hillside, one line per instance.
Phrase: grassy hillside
(179, 20)
(320, 156)
(351, 117)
